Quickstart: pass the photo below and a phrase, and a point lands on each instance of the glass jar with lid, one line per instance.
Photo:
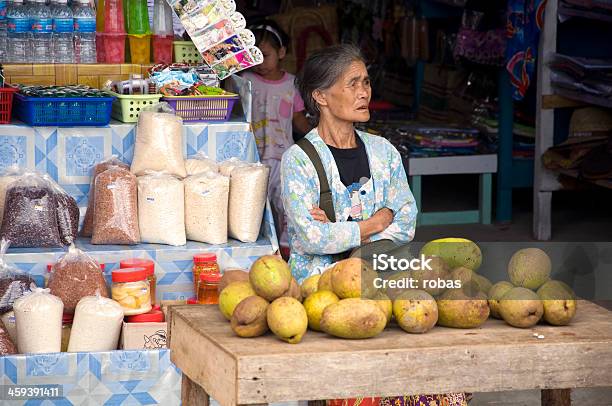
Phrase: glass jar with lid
(203, 263)
(131, 290)
(208, 286)
(150, 268)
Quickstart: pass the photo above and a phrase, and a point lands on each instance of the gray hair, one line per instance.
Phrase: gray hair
(321, 70)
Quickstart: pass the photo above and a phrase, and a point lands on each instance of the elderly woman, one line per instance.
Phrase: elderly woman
(370, 194)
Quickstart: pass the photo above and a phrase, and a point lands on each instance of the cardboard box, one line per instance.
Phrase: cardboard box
(144, 336)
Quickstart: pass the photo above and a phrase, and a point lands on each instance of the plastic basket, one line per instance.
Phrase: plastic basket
(202, 108)
(64, 111)
(6, 104)
(127, 107)
(186, 52)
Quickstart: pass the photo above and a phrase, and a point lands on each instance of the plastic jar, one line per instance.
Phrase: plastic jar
(203, 263)
(149, 266)
(208, 286)
(66, 330)
(131, 290)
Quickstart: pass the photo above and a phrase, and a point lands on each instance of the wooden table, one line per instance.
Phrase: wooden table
(495, 357)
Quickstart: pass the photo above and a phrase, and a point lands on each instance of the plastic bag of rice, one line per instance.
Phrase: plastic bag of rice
(206, 205)
(161, 209)
(159, 144)
(200, 163)
(226, 167)
(247, 201)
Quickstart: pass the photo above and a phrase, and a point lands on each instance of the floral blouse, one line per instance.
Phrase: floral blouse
(312, 242)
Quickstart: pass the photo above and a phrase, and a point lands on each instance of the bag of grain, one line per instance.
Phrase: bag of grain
(7, 346)
(96, 325)
(200, 163)
(13, 282)
(161, 209)
(67, 212)
(206, 204)
(7, 176)
(74, 276)
(39, 322)
(108, 163)
(247, 201)
(30, 215)
(159, 144)
(116, 208)
(226, 167)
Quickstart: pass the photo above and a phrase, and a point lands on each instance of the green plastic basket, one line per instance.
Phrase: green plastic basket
(186, 52)
(127, 107)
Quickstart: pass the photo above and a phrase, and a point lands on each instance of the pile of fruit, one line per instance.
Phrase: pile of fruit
(344, 301)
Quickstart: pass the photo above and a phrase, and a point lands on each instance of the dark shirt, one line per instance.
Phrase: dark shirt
(353, 166)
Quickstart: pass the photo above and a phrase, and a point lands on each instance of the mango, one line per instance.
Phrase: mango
(496, 292)
(294, 290)
(325, 282)
(416, 311)
(353, 278)
(559, 302)
(232, 275)
(287, 319)
(353, 318)
(456, 252)
(270, 277)
(232, 295)
(385, 304)
(462, 308)
(521, 307)
(310, 285)
(250, 317)
(315, 304)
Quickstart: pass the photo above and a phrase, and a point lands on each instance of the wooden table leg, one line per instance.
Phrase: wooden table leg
(193, 394)
(556, 397)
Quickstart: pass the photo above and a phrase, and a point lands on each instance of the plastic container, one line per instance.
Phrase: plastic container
(66, 330)
(137, 18)
(126, 108)
(162, 48)
(201, 109)
(203, 264)
(162, 18)
(114, 21)
(113, 47)
(64, 111)
(6, 104)
(41, 32)
(84, 33)
(186, 52)
(131, 290)
(208, 288)
(140, 48)
(150, 268)
(63, 32)
(18, 33)
(154, 316)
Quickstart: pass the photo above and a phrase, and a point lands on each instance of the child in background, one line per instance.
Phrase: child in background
(278, 110)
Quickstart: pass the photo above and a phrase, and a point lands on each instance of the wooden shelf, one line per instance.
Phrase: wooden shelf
(94, 75)
(555, 101)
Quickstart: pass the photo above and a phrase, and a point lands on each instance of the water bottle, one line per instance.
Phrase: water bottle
(63, 28)
(41, 27)
(84, 32)
(18, 31)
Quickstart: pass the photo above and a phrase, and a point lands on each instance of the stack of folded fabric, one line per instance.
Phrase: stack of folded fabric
(584, 79)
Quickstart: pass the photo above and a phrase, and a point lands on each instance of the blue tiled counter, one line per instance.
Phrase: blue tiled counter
(97, 378)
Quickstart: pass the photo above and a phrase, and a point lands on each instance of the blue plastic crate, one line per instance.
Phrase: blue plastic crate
(64, 111)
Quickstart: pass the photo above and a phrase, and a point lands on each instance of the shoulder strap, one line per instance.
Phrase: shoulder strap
(325, 196)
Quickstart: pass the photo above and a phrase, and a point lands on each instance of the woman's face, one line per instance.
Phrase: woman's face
(349, 98)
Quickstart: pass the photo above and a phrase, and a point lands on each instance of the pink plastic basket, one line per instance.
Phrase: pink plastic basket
(202, 108)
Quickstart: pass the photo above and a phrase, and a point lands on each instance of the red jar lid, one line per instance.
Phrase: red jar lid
(129, 275)
(67, 318)
(49, 267)
(192, 300)
(207, 257)
(154, 316)
(212, 277)
(156, 307)
(139, 263)
(102, 266)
